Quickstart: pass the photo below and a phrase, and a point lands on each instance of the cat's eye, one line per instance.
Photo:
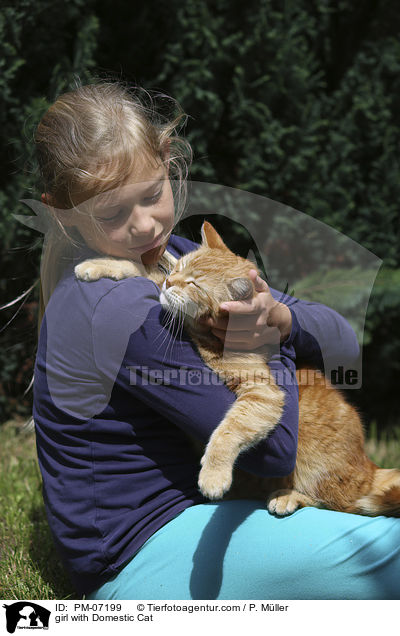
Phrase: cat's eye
(191, 281)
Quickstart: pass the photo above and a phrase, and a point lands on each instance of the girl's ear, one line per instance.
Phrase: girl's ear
(211, 238)
(66, 217)
(47, 199)
(241, 288)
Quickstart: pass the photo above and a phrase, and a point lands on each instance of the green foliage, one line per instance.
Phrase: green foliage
(347, 291)
(280, 109)
(383, 448)
(381, 362)
(57, 41)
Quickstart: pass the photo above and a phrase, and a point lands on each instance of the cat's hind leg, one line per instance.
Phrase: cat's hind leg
(285, 502)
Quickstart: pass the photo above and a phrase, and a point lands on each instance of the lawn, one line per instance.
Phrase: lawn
(29, 566)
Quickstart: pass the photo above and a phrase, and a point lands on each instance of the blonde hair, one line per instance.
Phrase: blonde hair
(90, 141)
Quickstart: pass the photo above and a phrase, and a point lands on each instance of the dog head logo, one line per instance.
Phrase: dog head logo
(24, 614)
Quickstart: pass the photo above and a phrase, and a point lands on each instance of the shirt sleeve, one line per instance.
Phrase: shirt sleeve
(160, 366)
(321, 337)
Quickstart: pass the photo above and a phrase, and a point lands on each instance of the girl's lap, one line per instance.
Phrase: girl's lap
(237, 550)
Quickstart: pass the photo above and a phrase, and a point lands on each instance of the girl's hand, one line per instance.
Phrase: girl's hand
(250, 324)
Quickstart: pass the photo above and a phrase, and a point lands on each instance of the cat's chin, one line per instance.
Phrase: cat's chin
(186, 308)
(163, 301)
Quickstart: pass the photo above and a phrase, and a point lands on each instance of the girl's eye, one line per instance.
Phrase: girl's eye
(154, 198)
(147, 201)
(113, 218)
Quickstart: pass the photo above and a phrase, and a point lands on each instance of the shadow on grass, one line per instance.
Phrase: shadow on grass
(45, 558)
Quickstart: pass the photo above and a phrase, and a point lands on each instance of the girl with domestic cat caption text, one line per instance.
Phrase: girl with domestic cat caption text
(120, 473)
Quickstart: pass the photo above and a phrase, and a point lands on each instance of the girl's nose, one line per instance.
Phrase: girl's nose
(140, 223)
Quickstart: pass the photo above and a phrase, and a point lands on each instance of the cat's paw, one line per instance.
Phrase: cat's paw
(94, 269)
(214, 482)
(284, 502)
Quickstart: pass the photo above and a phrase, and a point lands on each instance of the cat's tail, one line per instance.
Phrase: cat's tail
(384, 496)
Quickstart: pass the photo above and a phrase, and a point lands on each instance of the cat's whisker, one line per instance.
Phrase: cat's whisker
(169, 325)
(176, 323)
(172, 339)
(166, 339)
(169, 335)
(167, 319)
(181, 327)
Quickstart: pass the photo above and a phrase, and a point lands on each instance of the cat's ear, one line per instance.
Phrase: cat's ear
(211, 238)
(241, 288)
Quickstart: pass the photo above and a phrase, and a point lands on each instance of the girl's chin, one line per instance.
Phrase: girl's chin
(152, 256)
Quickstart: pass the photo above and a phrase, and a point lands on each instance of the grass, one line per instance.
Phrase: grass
(384, 449)
(29, 565)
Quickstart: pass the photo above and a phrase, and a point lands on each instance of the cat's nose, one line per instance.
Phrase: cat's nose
(172, 280)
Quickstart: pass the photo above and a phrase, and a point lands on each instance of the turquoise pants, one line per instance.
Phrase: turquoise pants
(237, 550)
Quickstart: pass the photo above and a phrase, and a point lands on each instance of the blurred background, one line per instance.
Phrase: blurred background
(296, 100)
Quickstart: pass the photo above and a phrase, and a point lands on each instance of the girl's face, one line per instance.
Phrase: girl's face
(133, 221)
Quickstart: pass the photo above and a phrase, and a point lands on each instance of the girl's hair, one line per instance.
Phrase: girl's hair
(92, 140)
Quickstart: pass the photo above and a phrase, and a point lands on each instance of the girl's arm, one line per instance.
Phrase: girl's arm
(136, 352)
(321, 336)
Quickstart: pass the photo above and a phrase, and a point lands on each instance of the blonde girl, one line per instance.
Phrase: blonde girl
(113, 400)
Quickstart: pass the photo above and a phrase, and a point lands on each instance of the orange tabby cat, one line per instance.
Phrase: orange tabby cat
(332, 469)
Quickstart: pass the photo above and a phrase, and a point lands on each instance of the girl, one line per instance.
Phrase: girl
(113, 400)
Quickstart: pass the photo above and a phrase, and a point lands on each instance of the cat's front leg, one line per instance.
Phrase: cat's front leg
(250, 419)
(215, 477)
(95, 268)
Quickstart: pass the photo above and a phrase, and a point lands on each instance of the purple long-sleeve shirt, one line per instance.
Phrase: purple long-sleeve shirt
(115, 397)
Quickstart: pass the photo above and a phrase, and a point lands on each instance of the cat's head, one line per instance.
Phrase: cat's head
(205, 278)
